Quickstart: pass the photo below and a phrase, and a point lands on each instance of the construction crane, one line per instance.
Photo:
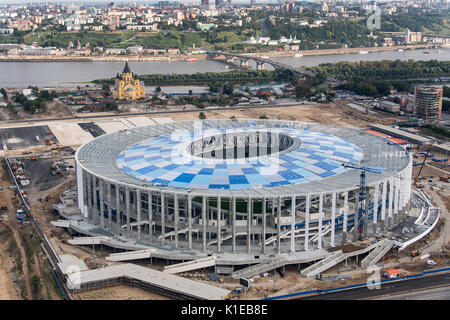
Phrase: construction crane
(423, 163)
(363, 191)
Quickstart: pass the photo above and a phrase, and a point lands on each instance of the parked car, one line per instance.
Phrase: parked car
(431, 263)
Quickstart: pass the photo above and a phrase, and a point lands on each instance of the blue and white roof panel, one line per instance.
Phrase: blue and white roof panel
(166, 161)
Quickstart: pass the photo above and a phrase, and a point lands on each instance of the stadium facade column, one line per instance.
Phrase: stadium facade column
(150, 213)
(80, 189)
(391, 201)
(408, 186)
(85, 195)
(102, 202)
(128, 210)
(402, 192)
(108, 199)
(189, 216)
(356, 217)
(279, 226)
(400, 197)
(345, 222)
(233, 225)
(94, 195)
(118, 214)
(204, 223)
(365, 217)
(319, 239)
(89, 187)
(307, 207)
(293, 224)
(398, 190)
(396, 199)
(383, 206)
(208, 213)
(249, 223)
(375, 208)
(163, 220)
(219, 214)
(407, 189)
(263, 235)
(138, 212)
(185, 209)
(176, 214)
(333, 219)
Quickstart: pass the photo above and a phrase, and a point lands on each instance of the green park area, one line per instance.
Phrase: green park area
(122, 39)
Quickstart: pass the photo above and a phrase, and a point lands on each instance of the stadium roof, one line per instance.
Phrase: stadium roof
(102, 157)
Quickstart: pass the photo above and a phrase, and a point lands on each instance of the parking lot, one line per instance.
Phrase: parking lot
(92, 128)
(24, 137)
(39, 172)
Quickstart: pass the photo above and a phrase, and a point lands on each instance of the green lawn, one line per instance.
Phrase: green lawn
(123, 39)
(104, 39)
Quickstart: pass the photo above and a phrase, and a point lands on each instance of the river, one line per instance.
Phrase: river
(419, 54)
(42, 74)
(22, 74)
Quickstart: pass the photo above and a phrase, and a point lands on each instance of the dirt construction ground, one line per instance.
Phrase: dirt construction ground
(121, 292)
(292, 282)
(8, 289)
(330, 113)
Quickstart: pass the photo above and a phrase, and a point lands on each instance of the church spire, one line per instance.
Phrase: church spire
(127, 68)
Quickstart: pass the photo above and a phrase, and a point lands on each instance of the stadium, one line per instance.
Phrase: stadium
(242, 187)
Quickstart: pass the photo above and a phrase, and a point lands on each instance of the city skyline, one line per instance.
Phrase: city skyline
(184, 1)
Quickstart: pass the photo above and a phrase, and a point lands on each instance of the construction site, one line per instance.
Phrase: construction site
(77, 194)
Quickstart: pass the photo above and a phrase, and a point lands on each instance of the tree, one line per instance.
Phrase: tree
(446, 91)
(111, 106)
(4, 94)
(202, 115)
(40, 105)
(29, 106)
(45, 95)
(20, 98)
(227, 88)
(303, 91)
(213, 87)
(35, 91)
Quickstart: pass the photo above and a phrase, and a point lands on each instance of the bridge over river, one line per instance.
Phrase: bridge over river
(260, 62)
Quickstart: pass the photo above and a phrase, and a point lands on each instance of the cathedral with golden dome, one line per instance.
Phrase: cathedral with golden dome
(128, 86)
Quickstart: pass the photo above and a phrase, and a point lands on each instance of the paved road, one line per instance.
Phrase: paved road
(121, 115)
(394, 287)
(432, 294)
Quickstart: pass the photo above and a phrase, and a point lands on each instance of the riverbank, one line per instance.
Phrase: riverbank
(319, 52)
(180, 57)
(184, 57)
(82, 59)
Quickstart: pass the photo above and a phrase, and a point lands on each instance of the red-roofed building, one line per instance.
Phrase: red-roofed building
(391, 273)
(395, 140)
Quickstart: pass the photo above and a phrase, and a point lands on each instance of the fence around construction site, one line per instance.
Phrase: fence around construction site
(355, 286)
(53, 254)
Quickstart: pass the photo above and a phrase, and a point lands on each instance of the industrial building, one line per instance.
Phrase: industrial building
(283, 186)
(428, 102)
(389, 106)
